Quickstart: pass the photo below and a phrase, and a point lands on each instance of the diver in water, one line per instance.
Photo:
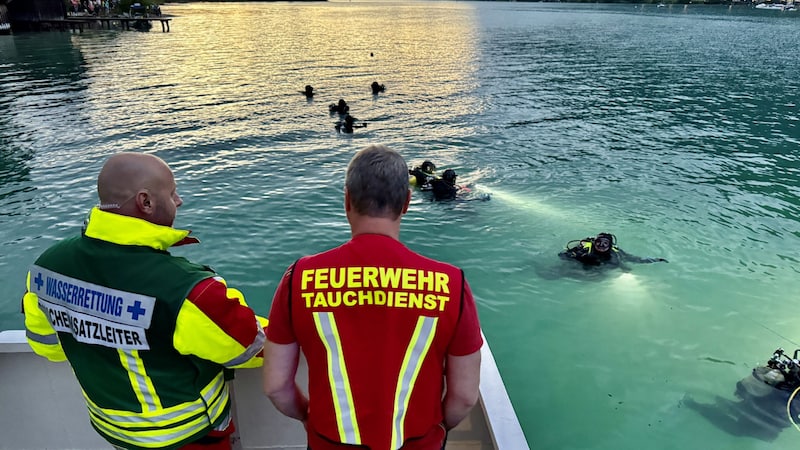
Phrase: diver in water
(347, 125)
(423, 175)
(341, 108)
(445, 188)
(377, 88)
(309, 92)
(767, 400)
(600, 250)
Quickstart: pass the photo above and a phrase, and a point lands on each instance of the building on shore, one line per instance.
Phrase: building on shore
(5, 24)
(23, 15)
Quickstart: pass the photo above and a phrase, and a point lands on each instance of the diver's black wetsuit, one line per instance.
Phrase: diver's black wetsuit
(376, 88)
(442, 190)
(423, 179)
(583, 252)
(342, 107)
(347, 125)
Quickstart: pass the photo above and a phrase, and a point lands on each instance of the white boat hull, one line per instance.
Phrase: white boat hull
(43, 408)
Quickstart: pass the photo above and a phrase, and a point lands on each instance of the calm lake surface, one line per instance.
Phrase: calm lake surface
(677, 129)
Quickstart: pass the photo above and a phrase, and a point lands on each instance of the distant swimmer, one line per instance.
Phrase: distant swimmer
(377, 88)
(422, 175)
(601, 250)
(309, 92)
(341, 108)
(445, 188)
(347, 125)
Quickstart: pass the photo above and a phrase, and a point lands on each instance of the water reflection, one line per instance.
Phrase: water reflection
(42, 73)
(40, 56)
(14, 172)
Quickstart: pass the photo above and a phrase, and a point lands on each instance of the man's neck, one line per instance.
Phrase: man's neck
(375, 225)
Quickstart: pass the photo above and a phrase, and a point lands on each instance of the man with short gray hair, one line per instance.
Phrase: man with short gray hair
(383, 329)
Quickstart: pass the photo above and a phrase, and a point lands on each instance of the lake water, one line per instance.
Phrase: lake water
(677, 129)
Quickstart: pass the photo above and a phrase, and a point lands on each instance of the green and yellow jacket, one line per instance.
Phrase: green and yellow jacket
(150, 336)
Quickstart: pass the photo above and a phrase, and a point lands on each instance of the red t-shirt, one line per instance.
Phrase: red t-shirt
(375, 322)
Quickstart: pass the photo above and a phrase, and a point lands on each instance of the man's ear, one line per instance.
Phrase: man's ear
(145, 202)
(408, 202)
(346, 200)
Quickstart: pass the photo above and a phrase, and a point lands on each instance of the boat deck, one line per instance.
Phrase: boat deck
(43, 409)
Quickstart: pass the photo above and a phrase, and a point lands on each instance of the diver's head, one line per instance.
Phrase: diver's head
(428, 167)
(603, 242)
(449, 176)
(309, 88)
(342, 102)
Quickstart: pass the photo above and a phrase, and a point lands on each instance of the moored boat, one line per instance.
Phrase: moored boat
(776, 6)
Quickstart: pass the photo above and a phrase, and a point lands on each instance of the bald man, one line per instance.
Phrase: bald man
(139, 185)
(151, 337)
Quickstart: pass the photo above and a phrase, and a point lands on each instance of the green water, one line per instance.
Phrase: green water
(675, 128)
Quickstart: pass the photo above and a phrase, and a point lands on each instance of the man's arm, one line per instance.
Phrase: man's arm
(280, 368)
(42, 337)
(463, 378)
(283, 353)
(214, 323)
(462, 372)
(638, 259)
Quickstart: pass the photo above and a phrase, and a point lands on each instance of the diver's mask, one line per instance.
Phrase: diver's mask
(602, 244)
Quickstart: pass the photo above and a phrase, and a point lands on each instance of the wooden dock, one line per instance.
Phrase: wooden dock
(80, 23)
